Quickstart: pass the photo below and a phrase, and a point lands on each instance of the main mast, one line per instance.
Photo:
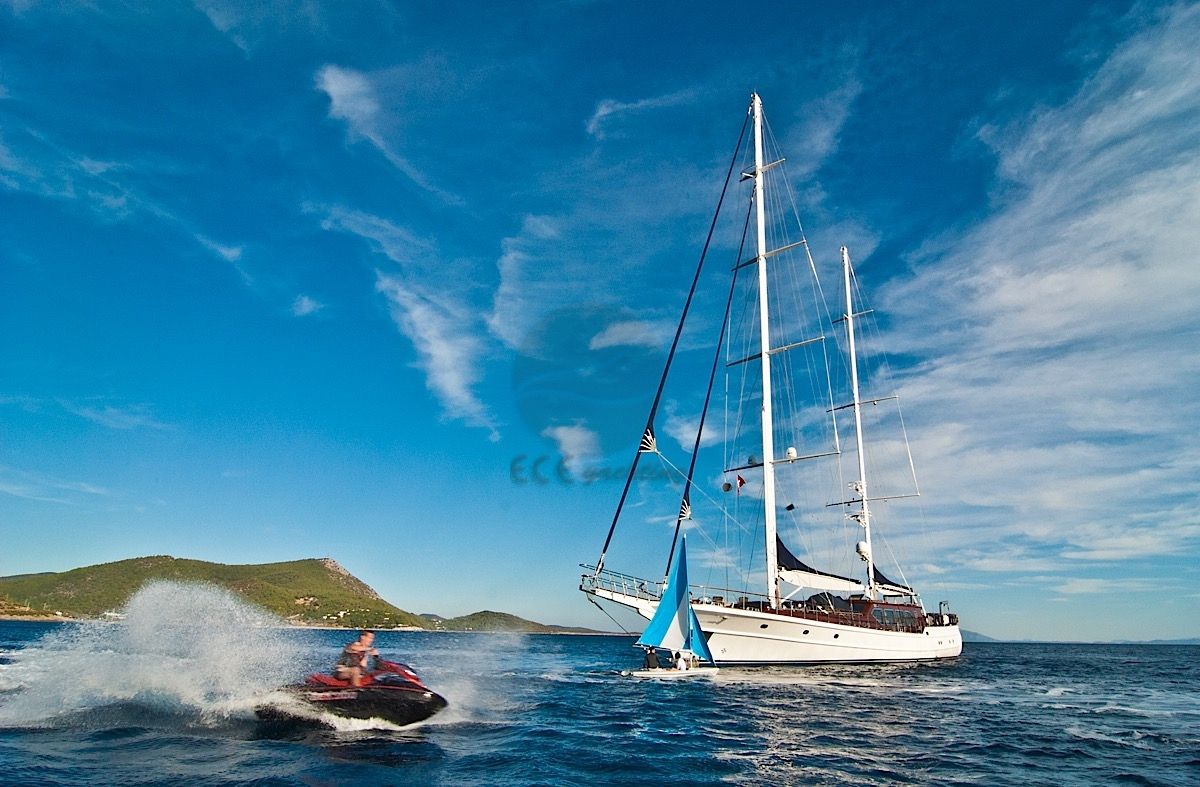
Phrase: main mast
(860, 486)
(768, 436)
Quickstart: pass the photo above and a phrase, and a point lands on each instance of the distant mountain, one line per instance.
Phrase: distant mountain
(974, 636)
(308, 592)
(487, 620)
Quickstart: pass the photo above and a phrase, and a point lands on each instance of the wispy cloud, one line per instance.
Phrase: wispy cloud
(247, 24)
(227, 253)
(18, 6)
(449, 352)
(231, 254)
(525, 289)
(816, 132)
(1059, 329)
(129, 417)
(354, 99)
(304, 306)
(446, 334)
(45, 488)
(27, 403)
(578, 445)
(399, 244)
(609, 110)
(633, 333)
(1083, 586)
(683, 429)
(47, 169)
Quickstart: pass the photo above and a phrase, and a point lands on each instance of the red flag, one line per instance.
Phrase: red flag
(740, 483)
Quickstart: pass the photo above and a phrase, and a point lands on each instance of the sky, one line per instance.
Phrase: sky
(392, 283)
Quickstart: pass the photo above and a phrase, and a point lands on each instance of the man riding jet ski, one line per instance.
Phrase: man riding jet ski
(389, 691)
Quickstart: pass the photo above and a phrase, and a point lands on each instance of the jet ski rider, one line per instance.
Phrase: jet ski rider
(354, 659)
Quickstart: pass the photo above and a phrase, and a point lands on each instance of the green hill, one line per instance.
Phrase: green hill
(493, 621)
(313, 591)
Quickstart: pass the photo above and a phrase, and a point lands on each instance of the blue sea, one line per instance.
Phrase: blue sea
(167, 697)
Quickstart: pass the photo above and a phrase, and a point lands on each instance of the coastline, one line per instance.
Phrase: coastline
(405, 629)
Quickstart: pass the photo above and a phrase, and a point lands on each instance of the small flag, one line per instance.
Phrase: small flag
(685, 510)
(649, 444)
(740, 483)
(791, 506)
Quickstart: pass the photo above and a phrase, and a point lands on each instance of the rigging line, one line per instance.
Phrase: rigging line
(712, 378)
(716, 503)
(791, 194)
(907, 449)
(674, 346)
(903, 579)
(610, 617)
(730, 438)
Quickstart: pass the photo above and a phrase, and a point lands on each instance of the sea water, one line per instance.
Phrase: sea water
(167, 697)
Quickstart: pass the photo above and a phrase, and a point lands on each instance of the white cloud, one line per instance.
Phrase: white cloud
(304, 306)
(449, 353)
(608, 109)
(633, 333)
(227, 253)
(354, 99)
(816, 133)
(443, 331)
(397, 243)
(530, 280)
(683, 430)
(579, 446)
(1059, 330)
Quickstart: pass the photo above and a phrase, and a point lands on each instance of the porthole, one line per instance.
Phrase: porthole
(835, 636)
(805, 631)
(763, 626)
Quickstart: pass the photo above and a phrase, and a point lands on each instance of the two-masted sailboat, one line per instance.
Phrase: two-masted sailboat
(798, 614)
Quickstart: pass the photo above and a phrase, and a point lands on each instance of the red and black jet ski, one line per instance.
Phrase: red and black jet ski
(391, 692)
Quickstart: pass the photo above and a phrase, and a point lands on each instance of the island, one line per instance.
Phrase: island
(308, 592)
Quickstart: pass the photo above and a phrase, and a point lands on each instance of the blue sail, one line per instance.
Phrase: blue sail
(674, 625)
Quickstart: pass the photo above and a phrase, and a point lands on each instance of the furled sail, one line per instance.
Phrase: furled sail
(795, 572)
(674, 625)
(891, 588)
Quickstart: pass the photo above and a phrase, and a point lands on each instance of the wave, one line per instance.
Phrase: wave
(183, 649)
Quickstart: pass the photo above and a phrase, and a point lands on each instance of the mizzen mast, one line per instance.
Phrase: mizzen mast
(863, 515)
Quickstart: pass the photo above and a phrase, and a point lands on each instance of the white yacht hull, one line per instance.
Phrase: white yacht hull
(746, 636)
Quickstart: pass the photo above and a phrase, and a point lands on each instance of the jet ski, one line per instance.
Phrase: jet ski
(391, 692)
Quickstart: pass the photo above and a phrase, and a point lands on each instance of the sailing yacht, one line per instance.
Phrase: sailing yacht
(796, 613)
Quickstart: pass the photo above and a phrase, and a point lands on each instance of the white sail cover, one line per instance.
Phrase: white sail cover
(896, 590)
(805, 579)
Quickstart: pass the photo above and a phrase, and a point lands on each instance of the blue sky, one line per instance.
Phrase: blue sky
(295, 279)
